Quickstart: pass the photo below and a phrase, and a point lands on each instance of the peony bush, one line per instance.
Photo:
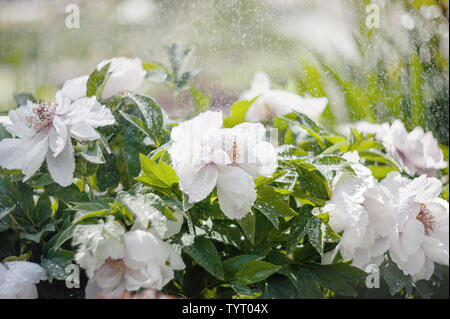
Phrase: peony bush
(102, 195)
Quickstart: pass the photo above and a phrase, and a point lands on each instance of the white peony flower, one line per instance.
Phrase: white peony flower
(44, 132)
(418, 152)
(116, 261)
(204, 156)
(18, 279)
(421, 236)
(73, 89)
(360, 170)
(150, 261)
(356, 209)
(125, 75)
(272, 102)
(97, 243)
(146, 215)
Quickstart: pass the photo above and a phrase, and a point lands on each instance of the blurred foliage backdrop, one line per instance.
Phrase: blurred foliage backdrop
(374, 60)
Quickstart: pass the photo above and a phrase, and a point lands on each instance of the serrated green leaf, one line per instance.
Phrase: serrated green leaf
(238, 111)
(298, 227)
(254, 271)
(56, 264)
(157, 174)
(205, 254)
(272, 205)
(96, 81)
(153, 116)
(248, 225)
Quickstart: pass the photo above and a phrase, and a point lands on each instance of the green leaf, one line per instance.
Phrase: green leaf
(108, 176)
(290, 152)
(248, 225)
(36, 237)
(40, 180)
(312, 186)
(92, 152)
(59, 239)
(137, 122)
(232, 265)
(303, 121)
(83, 215)
(378, 157)
(298, 227)
(316, 136)
(6, 205)
(380, 172)
(272, 205)
(263, 180)
(21, 193)
(255, 271)
(157, 174)
(205, 254)
(238, 111)
(394, 277)
(152, 114)
(56, 264)
(227, 232)
(335, 147)
(42, 212)
(97, 80)
(132, 147)
(315, 236)
(67, 194)
(279, 288)
(340, 278)
(304, 280)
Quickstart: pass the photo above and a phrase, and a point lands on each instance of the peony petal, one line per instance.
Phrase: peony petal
(174, 226)
(126, 75)
(18, 119)
(27, 271)
(236, 192)
(311, 106)
(281, 102)
(99, 115)
(260, 84)
(24, 154)
(57, 136)
(92, 290)
(143, 246)
(413, 264)
(75, 88)
(198, 186)
(61, 167)
(83, 132)
(436, 250)
(108, 277)
(412, 236)
(425, 272)
(425, 188)
(258, 111)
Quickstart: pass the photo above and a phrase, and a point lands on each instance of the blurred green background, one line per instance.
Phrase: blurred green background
(374, 60)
